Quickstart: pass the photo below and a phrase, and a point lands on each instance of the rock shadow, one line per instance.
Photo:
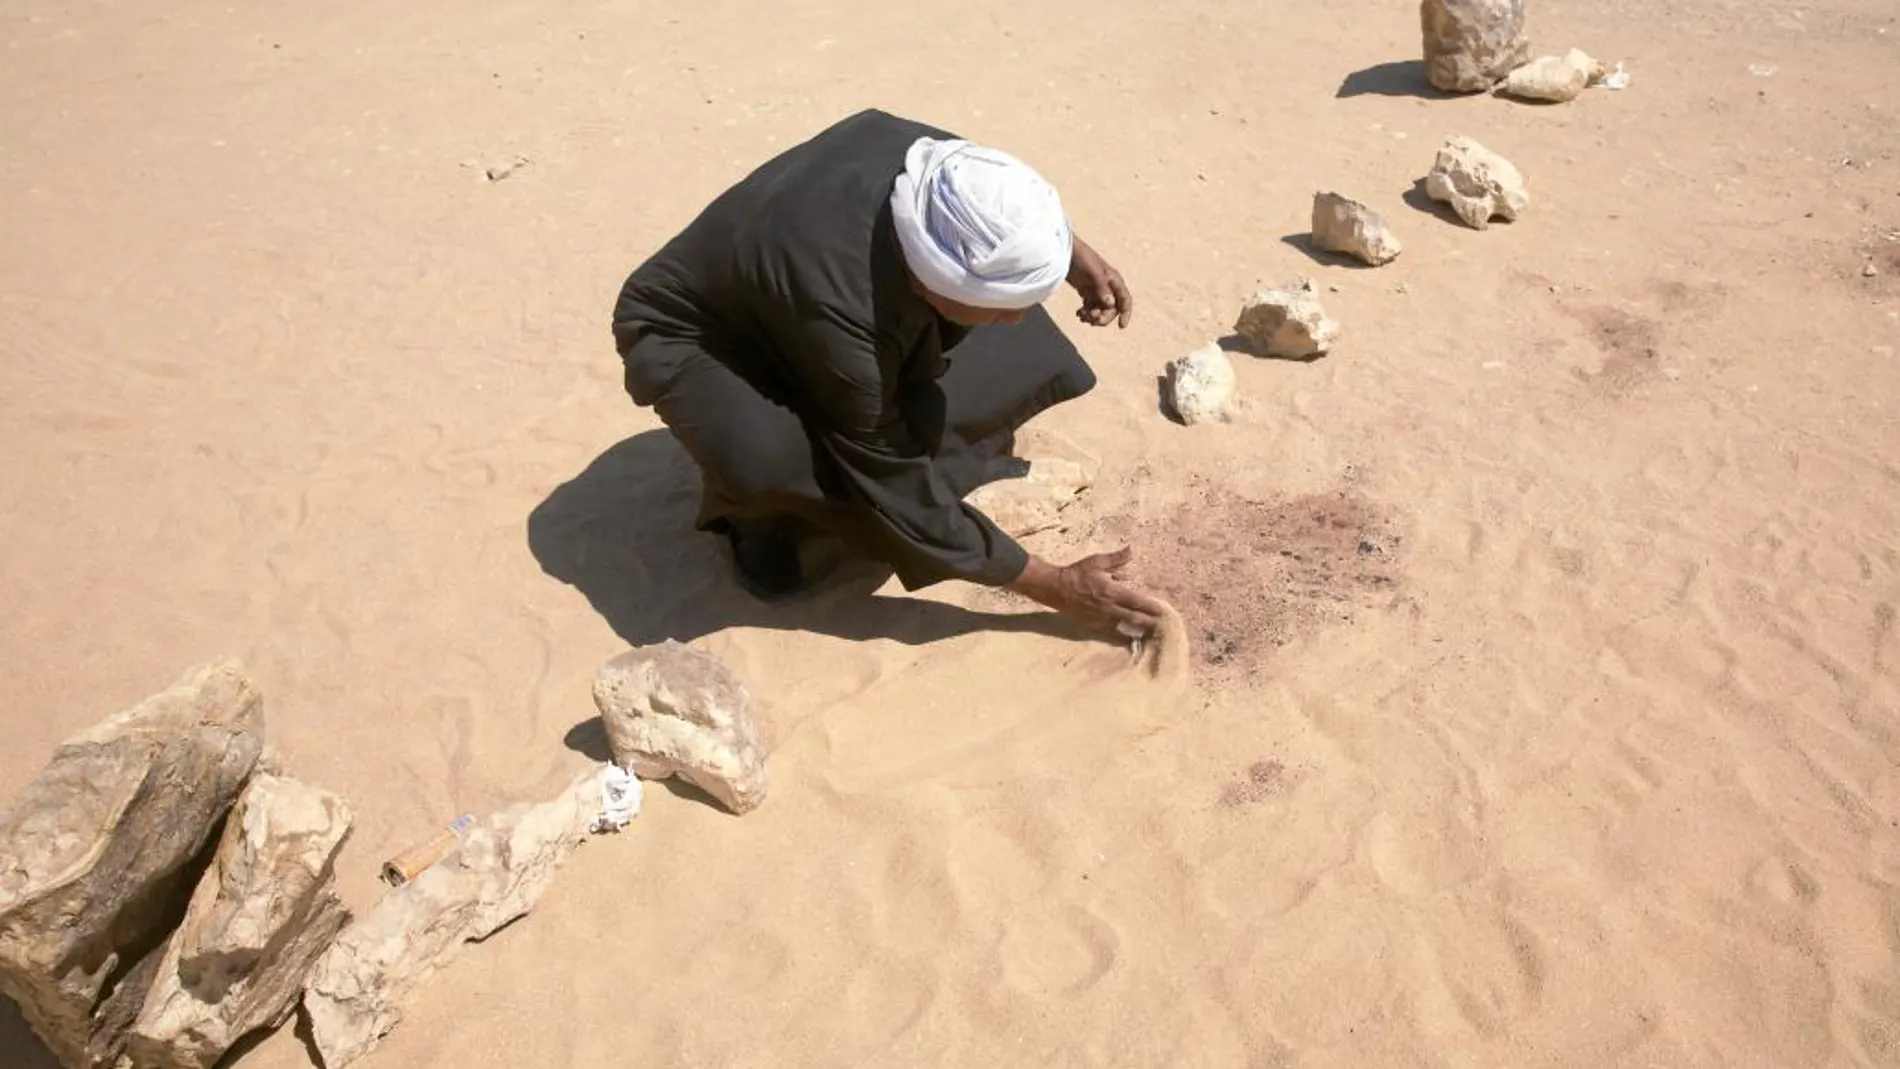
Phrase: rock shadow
(23, 1049)
(1402, 78)
(1304, 242)
(1418, 200)
(1237, 345)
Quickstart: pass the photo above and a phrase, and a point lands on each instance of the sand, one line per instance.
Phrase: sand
(1590, 761)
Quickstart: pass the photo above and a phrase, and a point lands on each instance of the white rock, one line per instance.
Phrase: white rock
(1036, 501)
(1557, 79)
(1201, 386)
(671, 710)
(1343, 225)
(1288, 321)
(1478, 184)
(1470, 44)
(356, 992)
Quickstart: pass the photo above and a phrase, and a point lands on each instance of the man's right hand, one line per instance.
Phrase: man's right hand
(1091, 591)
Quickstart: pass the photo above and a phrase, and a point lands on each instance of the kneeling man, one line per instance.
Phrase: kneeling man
(847, 341)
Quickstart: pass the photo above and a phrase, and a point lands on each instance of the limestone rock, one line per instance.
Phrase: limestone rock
(261, 916)
(1556, 79)
(1478, 184)
(1034, 500)
(1201, 386)
(1288, 321)
(1343, 225)
(1471, 44)
(671, 710)
(356, 992)
(96, 853)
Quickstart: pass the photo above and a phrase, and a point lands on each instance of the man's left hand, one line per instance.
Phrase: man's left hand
(1105, 297)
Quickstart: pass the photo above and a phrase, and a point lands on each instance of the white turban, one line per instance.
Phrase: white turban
(980, 226)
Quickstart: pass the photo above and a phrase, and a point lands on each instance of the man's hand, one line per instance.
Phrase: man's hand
(1105, 297)
(1090, 591)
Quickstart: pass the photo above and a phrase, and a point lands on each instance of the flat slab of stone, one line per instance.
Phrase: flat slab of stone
(356, 992)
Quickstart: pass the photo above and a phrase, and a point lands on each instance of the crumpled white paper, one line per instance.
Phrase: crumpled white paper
(1616, 78)
(620, 795)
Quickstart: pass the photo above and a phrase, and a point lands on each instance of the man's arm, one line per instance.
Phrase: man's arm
(1105, 296)
(923, 528)
(919, 524)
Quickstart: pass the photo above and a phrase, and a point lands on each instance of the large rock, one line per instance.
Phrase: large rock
(1343, 225)
(1201, 386)
(1477, 183)
(1036, 500)
(261, 916)
(1554, 79)
(671, 710)
(1288, 321)
(1471, 44)
(96, 853)
(356, 992)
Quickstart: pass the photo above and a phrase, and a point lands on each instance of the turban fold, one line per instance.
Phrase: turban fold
(979, 226)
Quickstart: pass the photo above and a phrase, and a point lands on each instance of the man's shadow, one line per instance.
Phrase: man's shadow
(622, 533)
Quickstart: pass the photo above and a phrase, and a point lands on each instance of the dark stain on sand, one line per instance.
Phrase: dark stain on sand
(1250, 577)
(1264, 780)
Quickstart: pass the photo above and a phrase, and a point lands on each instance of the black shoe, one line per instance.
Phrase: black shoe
(767, 561)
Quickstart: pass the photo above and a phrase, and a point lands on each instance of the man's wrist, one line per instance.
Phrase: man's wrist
(1037, 581)
(1078, 257)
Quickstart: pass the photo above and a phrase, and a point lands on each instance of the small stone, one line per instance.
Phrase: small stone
(356, 992)
(671, 710)
(1556, 79)
(1470, 44)
(1343, 225)
(1201, 386)
(1870, 271)
(1287, 321)
(495, 172)
(260, 918)
(1478, 184)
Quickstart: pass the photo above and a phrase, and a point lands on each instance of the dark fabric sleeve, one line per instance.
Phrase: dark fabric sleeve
(915, 522)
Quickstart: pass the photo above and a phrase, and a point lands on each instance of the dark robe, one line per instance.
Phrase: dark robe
(779, 339)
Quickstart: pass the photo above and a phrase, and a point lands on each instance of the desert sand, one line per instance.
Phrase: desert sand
(1588, 760)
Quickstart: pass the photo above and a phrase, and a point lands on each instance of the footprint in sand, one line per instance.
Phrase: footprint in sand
(1058, 950)
(1781, 880)
(1420, 854)
(883, 1000)
(915, 906)
(1490, 971)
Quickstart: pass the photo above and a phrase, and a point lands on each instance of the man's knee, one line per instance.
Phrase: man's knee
(753, 460)
(753, 467)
